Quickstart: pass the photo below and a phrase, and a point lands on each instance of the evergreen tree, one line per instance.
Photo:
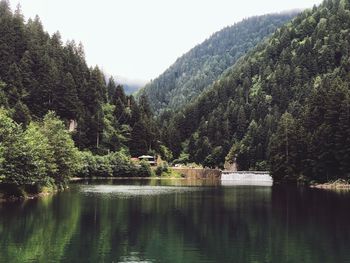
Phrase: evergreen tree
(68, 105)
(14, 87)
(283, 150)
(111, 87)
(21, 113)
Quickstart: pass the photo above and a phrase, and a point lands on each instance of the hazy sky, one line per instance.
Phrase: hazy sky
(139, 39)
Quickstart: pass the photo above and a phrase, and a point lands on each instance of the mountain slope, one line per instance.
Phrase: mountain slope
(284, 107)
(38, 74)
(198, 68)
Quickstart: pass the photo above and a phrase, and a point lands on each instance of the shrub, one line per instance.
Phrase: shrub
(116, 164)
(144, 169)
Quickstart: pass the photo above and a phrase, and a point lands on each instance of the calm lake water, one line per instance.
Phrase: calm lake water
(172, 221)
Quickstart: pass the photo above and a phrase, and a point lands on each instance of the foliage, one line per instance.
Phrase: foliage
(284, 107)
(165, 153)
(162, 169)
(15, 160)
(43, 154)
(285, 159)
(38, 74)
(184, 158)
(144, 169)
(115, 164)
(65, 154)
(43, 79)
(192, 73)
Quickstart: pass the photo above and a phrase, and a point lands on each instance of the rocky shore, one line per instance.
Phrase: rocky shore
(336, 185)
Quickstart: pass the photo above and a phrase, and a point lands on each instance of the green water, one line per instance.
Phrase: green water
(170, 221)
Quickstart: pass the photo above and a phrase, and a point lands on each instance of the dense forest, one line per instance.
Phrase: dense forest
(278, 103)
(192, 73)
(39, 74)
(285, 106)
(43, 80)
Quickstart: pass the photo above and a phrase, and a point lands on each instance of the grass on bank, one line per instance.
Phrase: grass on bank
(163, 170)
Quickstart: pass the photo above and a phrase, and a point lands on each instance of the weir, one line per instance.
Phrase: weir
(246, 177)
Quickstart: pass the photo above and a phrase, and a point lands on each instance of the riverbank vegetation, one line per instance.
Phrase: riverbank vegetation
(164, 170)
(42, 157)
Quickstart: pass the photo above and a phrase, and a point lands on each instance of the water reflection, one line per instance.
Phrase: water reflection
(134, 191)
(180, 224)
(246, 182)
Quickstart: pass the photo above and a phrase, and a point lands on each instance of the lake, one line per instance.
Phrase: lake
(177, 221)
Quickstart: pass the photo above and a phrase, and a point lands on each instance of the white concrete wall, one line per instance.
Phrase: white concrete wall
(246, 176)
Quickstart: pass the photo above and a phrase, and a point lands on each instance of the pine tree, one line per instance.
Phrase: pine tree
(3, 97)
(7, 53)
(342, 137)
(68, 103)
(241, 123)
(283, 155)
(21, 113)
(111, 87)
(14, 87)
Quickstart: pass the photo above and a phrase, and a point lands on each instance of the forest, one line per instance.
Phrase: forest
(193, 73)
(284, 107)
(238, 152)
(45, 86)
(268, 93)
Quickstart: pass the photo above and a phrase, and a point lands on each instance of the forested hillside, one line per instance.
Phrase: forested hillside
(194, 71)
(46, 87)
(285, 106)
(39, 73)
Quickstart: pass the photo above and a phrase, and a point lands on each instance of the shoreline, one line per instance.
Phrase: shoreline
(28, 195)
(24, 198)
(76, 179)
(336, 185)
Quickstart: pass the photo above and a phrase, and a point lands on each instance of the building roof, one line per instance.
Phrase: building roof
(146, 157)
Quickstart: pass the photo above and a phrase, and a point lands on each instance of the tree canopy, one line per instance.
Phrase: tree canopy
(193, 72)
(283, 107)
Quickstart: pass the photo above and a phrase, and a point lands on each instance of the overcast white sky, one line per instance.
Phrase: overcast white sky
(139, 39)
